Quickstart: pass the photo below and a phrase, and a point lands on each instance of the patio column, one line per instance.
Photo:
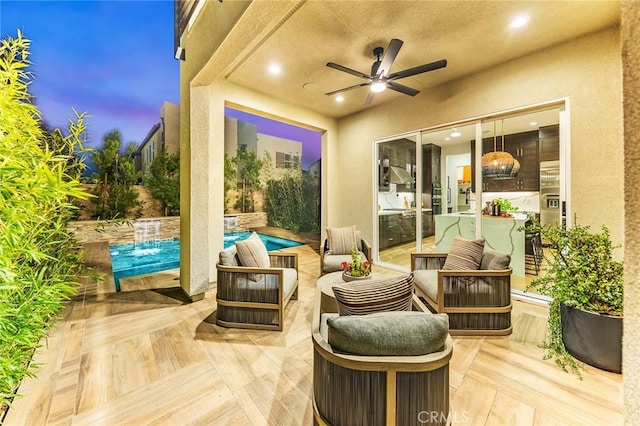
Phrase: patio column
(630, 38)
(195, 245)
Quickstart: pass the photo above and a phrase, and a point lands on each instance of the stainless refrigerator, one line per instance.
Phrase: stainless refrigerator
(550, 204)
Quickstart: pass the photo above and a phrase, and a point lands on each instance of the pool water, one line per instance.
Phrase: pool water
(128, 260)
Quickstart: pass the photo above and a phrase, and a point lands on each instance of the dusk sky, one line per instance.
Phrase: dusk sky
(114, 61)
(110, 59)
(311, 141)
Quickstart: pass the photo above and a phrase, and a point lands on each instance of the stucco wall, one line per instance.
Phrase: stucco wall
(212, 137)
(200, 42)
(170, 114)
(630, 36)
(586, 70)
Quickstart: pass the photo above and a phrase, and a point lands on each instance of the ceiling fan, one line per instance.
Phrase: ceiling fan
(380, 78)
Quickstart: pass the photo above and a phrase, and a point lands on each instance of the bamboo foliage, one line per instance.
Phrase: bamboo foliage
(39, 259)
(115, 196)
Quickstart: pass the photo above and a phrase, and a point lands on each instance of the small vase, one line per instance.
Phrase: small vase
(347, 277)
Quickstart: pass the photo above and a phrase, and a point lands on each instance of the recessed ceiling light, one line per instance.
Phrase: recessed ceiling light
(339, 98)
(519, 22)
(447, 138)
(533, 123)
(275, 69)
(456, 133)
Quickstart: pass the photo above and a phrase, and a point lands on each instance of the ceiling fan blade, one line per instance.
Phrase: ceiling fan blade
(347, 89)
(402, 88)
(348, 70)
(418, 70)
(389, 56)
(369, 98)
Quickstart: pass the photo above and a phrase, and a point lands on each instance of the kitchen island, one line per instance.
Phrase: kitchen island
(503, 234)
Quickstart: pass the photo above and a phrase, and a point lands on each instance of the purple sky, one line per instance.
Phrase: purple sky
(110, 59)
(114, 61)
(311, 141)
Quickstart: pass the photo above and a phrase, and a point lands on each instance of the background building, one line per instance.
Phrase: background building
(162, 137)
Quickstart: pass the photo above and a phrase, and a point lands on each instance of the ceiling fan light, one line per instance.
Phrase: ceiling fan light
(378, 86)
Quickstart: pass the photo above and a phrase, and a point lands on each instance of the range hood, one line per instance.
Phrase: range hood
(399, 175)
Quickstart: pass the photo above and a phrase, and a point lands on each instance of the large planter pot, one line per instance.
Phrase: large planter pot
(592, 338)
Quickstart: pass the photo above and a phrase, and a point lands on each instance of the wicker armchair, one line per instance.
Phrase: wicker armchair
(478, 302)
(376, 390)
(331, 262)
(256, 297)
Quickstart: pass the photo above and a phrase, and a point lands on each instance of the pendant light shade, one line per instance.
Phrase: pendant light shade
(516, 168)
(499, 164)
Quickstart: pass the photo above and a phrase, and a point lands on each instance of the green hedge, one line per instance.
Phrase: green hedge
(39, 259)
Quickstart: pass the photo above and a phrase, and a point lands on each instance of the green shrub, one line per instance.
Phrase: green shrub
(163, 179)
(292, 202)
(580, 271)
(39, 259)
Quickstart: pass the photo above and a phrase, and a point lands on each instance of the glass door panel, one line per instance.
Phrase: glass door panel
(531, 142)
(396, 200)
(427, 198)
(447, 200)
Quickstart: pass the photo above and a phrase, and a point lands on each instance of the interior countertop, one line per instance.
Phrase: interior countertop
(472, 215)
(385, 212)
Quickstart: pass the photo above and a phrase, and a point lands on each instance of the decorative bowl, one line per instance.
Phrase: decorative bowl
(347, 277)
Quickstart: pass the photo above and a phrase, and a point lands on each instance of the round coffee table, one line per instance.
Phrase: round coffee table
(325, 283)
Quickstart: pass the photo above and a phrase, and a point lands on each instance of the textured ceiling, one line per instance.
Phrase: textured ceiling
(471, 35)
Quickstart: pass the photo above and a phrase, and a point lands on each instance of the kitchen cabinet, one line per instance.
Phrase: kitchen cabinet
(396, 228)
(431, 166)
(428, 225)
(524, 148)
(394, 157)
(431, 180)
(385, 237)
(549, 143)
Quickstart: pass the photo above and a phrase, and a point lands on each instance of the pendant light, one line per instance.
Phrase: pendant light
(499, 164)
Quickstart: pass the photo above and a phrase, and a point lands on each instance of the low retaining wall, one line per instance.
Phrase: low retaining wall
(244, 221)
(91, 231)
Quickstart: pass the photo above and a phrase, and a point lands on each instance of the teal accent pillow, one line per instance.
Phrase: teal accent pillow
(399, 333)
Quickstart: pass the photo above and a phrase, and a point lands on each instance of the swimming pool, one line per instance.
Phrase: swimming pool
(128, 260)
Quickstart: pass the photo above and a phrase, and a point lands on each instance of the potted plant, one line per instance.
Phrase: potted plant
(357, 269)
(586, 285)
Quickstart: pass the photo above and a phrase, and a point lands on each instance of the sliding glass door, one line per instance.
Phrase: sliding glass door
(396, 200)
(442, 183)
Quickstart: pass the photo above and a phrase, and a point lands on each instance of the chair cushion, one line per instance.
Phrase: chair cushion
(332, 262)
(290, 281)
(492, 259)
(388, 333)
(427, 281)
(269, 282)
(229, 257)
(342, 240)
(253, 253)
(370, 296)
(464, 254)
